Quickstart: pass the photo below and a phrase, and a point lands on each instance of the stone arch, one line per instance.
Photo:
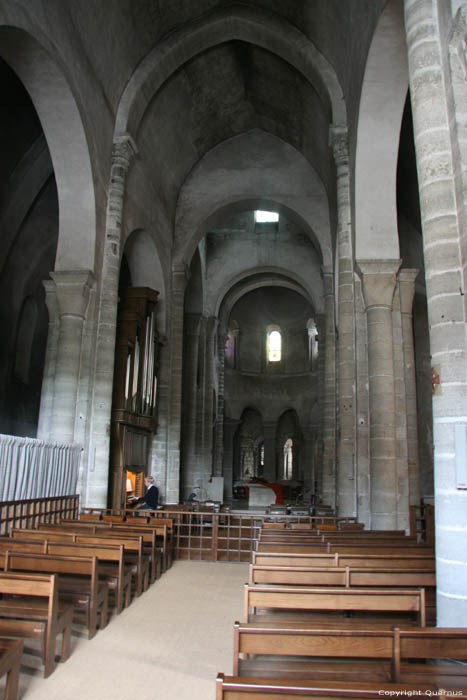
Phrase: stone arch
(146, 270)
(228, 180)
(66, 139)
(226, 24)
(288, 429)
(248, 281)
(382, 104)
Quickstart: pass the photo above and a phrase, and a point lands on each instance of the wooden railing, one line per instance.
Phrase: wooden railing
(29, 513)
(422, 523)
(205, 535)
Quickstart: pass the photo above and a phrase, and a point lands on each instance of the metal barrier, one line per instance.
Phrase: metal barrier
(30, 512)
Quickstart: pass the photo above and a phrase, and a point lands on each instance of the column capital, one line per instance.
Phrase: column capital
(338, 141)
(50, 297)
(180, 274)
(73, 288)
(406, 278)
(378, 281)
(123, 150)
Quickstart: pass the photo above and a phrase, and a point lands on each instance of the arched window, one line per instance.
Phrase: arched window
(274, 345)
(288, 459)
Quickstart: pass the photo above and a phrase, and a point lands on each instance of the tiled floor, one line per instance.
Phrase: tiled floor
(168, 645)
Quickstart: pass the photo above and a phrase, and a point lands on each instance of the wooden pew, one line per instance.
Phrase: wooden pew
(357, 600)
(373, 561)
(104, 528)
(235, 688)
(350, 577)
(341, 576)
(396, 655)
(11, 651)
(327, 547)
(30, 608)
(296, 537)
(133, 545)
(78, 582)
(116, 570)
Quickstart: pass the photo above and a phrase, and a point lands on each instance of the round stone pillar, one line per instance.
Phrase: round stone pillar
(101, 406)
(190, 389)
(346, 482)
(230, 428)
(379, 283)
(72, 290)
(219, 425)
(328, 478)
(271, 469)
(441, 187)
(406, 279)
(179, 281)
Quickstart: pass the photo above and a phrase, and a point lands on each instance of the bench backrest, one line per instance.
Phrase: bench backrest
(340, 576)
(365, 548)
(54, 564)
(234, 688)
(353, 599)
(396, 645)
(372, 561)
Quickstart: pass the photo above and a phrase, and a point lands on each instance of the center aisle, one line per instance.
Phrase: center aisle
(168, 645)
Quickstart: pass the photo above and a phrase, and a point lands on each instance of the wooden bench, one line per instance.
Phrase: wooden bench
(235, 688)
(11, 651)
(78, 582)
(104, 528)
(357, 600)
(341, 576)
(387, 561)
(133, 545)
(327, 547)
(30, 608)
(116, 570)
(396, 655)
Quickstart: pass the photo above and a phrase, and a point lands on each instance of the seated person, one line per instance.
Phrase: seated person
(150, 499)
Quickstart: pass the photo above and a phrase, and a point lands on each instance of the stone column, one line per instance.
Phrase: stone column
(445, 282)
(271, 469)
(219, 427)
(346, 489)
(72, 290)
(101, 405)
(47, 392)
(407, 279)
(379, 283)
(328, 480)
(208, 422)
(179, 281)
(190, 392)
(158, 454)
(230, 428)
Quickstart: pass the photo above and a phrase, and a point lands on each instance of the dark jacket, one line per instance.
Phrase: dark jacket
(151, 497)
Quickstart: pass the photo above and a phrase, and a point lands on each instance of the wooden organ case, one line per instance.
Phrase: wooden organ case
(133, 420)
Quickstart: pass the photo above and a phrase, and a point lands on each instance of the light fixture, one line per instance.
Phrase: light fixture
(129, 487)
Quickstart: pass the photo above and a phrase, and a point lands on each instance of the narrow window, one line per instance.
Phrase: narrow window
(266, 217)
(274, 346)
